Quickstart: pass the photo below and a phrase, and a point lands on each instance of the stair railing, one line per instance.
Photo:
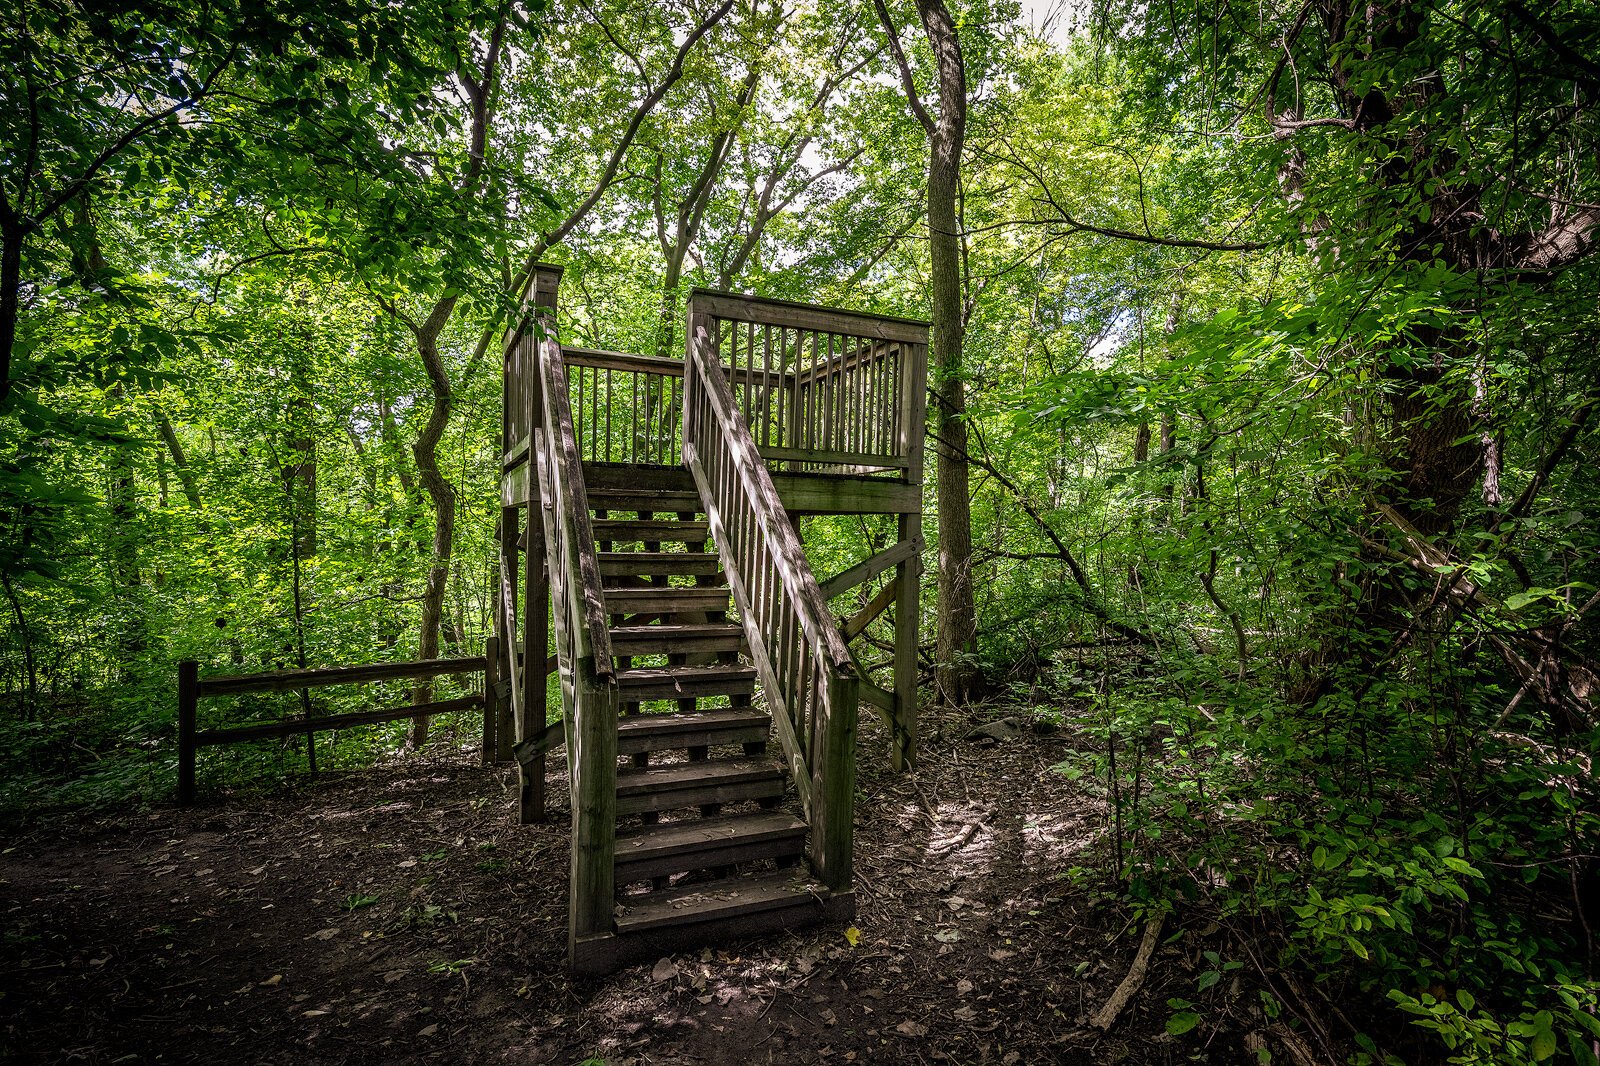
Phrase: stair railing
(805, 669)
(583, 648)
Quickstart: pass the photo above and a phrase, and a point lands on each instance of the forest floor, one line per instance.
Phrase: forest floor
(400, 915)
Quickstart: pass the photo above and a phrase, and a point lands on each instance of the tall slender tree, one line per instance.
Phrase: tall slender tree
(957, 646)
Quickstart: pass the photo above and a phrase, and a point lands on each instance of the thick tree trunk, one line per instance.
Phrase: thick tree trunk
(957, 613)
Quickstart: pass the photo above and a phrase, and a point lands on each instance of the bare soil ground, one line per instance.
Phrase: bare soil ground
(400, 915)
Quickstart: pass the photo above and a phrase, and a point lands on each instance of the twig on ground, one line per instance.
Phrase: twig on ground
(1106, 1016)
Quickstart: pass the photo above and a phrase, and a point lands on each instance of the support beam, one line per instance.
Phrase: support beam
(907, 620)
(868, 569)
(863, 618)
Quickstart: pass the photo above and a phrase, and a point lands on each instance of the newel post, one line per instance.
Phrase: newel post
(834, 783)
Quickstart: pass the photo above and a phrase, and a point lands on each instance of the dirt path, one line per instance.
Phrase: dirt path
(400, 916)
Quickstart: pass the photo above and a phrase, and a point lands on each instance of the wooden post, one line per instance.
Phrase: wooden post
(188, 697)
(532, 714)
(834, 784)
(491, 698)
(593, 744)
(913, 402)
(907, 619)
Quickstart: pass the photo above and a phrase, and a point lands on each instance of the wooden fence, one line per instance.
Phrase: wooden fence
(192, 688)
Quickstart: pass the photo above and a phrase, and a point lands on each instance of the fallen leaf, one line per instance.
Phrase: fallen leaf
(948, 936)
(313, 1014)
(1001, 954)
(911, 1028)
(852, 936)
(963, 987)
(428, 1030)
(964, 1014)
(324, 934)
(664, 970)
(273, 982)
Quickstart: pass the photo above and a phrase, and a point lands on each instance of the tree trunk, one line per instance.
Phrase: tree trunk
(957, 622)
(180, 459)
(442, 495)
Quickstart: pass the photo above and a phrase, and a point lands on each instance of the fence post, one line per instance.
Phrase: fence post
(188, 697)
(491, 696)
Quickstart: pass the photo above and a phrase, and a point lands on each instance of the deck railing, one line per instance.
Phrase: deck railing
(824, 391)
(805, 669)
(821, 391)
(583, 646)
(627, 408)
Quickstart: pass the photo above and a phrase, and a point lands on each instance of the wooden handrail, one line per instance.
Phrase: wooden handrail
(583, 645)
(569, 499)
(806, 672)
(738, 307)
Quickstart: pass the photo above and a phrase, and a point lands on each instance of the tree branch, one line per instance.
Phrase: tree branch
(906, 79)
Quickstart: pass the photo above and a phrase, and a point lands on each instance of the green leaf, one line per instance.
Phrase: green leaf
(1182, 1022)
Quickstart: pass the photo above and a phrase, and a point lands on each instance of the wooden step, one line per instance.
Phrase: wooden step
(720, 901)
(645, 500)
(683, 682)
(707, 843)
(668, 599)
(649, 564)
(691, 729)
(676, 639)
(655, 531)
(694, 784)
(721, 912)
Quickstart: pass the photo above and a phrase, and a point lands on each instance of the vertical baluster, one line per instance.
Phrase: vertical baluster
(862, 373)
(632, 455)
(875, 399)
(886, 394)
(868, 382)
(780, 401)
(830, 401)
(766, 386)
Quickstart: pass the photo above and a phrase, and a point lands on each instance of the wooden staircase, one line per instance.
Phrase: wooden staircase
(708, 698)
(702, 834)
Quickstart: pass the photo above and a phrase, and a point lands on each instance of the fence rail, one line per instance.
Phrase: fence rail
(192, 688)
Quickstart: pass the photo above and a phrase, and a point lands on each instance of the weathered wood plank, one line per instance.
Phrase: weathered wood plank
(835, 457)
(772, 312)
(634, 530)
(676, 639)
(315, 677)
(297, 726)
(671, 682)
(870, 568)
(863, 618)
(707, 843)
